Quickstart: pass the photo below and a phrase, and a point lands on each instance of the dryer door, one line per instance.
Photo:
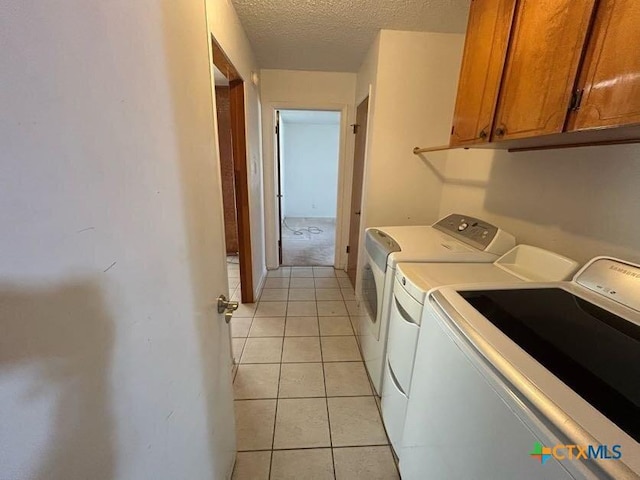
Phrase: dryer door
(378, 246)
(372, 290)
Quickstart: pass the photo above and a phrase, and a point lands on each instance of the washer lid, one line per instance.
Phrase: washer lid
(419, 278)
(593, 351)
(558, 404)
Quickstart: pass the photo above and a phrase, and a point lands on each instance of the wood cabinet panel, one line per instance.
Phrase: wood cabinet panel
(611, 72)
(485, 50)
(545, 50)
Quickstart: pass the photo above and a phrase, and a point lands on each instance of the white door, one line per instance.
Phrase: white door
(114, 362)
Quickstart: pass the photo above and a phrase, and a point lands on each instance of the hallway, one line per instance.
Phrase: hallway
(304, 404)
(308, 241)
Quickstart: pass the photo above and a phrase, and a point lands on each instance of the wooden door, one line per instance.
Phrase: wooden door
(240, 168)
(225, 146)
(610, 80)
(241, 175)
(485, 51)
(545, 49)
(356, 189)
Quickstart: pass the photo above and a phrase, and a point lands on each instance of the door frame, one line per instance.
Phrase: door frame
(356, 248)
(278, 145)
(363, 211)
(240, 169)
(345, 164)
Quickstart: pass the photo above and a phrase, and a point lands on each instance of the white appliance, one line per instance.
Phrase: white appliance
(413, 282)
(455, 238)
(505, 370)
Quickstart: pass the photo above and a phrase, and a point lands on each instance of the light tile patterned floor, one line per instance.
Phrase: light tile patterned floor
(304, 403)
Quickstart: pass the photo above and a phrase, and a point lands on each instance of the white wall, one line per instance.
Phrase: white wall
(579, 202)
(414, 95)
(111, 244)
(226, 28)
(309, 159)
(289, 89)
(367, 74)
(413, 79)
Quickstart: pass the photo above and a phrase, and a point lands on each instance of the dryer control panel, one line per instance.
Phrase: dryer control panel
(476, 232)
(379, 245)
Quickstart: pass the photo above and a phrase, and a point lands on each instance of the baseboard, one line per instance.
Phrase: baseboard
(263, 279)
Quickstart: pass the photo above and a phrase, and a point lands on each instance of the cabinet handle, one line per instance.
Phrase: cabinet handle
(500, 131)
(482, 134)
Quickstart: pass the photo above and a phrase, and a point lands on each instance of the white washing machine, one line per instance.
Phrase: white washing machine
(528, 367)
(413, 282)
(454, 239)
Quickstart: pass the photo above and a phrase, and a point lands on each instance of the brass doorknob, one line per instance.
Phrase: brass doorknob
(227, 307)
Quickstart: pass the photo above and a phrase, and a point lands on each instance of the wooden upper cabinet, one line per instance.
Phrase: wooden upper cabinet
(547, 41)
(485, 51)
(610, 78)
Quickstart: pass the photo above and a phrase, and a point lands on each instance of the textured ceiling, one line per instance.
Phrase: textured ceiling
(334, 35)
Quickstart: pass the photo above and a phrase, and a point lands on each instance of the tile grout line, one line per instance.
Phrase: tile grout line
(275, 419)
(326, 398)
(313, 361)
(323, 363)
(302, 398)
(316, 448)
(280, 372)
(244, 345)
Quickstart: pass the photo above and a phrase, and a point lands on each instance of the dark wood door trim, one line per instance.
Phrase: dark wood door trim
(227, 172)
(239, 148)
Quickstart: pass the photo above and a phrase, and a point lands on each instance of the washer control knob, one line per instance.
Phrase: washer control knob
(463, 226)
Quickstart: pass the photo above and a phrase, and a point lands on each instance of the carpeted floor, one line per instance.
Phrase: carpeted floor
(313, 245)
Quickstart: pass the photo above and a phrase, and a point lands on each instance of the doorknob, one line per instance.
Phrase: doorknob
(227, 307)
(357, 213)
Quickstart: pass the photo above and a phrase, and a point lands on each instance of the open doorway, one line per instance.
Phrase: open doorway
(225, 145)
(308, 149)
(229, 92)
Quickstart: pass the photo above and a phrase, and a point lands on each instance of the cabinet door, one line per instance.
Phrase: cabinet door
(546, 46)
(485, 51)
(611, 71)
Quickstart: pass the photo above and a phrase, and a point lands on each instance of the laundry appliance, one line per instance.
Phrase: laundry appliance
(411, 286)
(528, 380)
(455, 238)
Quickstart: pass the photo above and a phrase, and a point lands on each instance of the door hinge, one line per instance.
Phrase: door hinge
(277, 129)
(576, 100)
(355, 127)
(453, 127)
(279, 243)
(348, 249)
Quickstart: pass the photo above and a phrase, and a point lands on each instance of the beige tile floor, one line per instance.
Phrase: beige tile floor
(304, 404)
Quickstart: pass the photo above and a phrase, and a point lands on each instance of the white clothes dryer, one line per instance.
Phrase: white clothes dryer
(455, 238)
